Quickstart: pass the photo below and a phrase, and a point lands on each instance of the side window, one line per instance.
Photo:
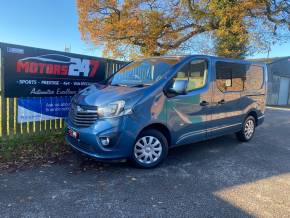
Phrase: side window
(197, 74)
(182, 74)
(254, 78)
(230, 77)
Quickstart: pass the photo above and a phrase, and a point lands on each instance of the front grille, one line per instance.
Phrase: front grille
(83, 116)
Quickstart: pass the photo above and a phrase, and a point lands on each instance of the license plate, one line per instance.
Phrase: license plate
(73, 134)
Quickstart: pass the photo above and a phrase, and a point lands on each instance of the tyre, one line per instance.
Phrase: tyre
(248, 129)
(150, 149)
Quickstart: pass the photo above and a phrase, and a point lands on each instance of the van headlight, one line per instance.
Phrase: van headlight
(113, 109)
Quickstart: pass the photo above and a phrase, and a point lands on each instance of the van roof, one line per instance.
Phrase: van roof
(210, 57)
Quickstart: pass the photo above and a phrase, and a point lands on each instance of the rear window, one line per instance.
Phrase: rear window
(254, 78)
(236, 77)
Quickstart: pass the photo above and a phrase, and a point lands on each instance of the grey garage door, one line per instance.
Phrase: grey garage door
(284, 91)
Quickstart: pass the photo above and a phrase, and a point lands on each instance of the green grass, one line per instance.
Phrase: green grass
(33, 147)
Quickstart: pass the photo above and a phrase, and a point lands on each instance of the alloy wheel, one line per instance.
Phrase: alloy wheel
(249, 128)
(147, 150)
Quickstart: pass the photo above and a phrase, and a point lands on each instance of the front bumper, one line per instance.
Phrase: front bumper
(121, 138)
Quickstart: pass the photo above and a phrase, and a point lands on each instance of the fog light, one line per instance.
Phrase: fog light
(105, 141)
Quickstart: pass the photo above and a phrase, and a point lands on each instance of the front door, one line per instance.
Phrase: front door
(187, 115)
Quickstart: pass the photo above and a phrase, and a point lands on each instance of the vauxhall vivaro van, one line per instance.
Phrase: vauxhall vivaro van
(153, 104)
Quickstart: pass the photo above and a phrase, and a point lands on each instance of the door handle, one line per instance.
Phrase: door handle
(204, 103)
(222, 101)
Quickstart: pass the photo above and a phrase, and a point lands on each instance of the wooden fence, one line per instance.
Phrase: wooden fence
(9, 112)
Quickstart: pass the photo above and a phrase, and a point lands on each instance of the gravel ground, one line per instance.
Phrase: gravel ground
(216, 178)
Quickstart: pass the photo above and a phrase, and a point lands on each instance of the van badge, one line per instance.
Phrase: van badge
(79, 109)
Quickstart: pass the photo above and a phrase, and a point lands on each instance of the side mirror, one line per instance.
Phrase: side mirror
(178, 87)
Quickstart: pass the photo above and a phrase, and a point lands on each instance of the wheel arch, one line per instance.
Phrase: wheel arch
(161, 128)
(254, 114)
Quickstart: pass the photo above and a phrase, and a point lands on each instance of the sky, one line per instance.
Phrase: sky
(52, 24)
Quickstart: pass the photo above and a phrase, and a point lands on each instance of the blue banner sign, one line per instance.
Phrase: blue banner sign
(38, 109)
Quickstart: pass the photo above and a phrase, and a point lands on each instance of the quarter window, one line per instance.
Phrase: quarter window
(254, 78)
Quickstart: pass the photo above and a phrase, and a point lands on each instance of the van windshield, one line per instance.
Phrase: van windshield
(143, 72)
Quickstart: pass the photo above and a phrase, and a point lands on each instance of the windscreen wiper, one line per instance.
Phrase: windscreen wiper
(123, 85)
(141, 85)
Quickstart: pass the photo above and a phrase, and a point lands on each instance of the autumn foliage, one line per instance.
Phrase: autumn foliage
(156, 27)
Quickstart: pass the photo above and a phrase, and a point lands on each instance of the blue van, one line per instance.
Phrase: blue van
(153, 104)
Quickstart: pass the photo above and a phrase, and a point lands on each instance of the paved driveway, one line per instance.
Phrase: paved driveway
(217, 178)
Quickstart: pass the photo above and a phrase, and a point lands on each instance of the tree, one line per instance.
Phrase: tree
(247, 27)
(156, 27)
(232, 36)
